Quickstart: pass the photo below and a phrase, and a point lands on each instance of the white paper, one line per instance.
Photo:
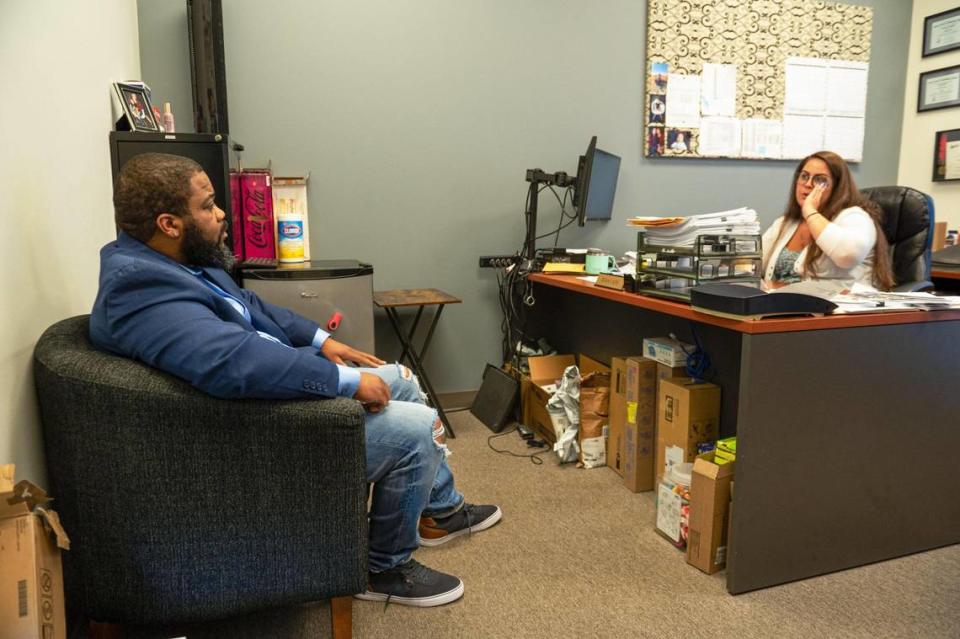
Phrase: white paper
(844, 136)
(719, 136)
(847, 88)
(952, 168)
(946, 88)
(673, 456)
(802, 135)
(761, 138)
(683, 101)
(668, 512)
(806, 80)
(718, 90)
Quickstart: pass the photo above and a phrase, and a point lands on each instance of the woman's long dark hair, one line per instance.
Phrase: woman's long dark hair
(844, 195)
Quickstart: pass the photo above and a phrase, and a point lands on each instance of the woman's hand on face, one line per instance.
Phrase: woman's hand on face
(811, 205)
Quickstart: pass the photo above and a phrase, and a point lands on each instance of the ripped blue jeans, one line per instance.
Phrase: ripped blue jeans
(407, 467)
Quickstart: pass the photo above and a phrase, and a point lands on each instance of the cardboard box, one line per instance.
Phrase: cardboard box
(618, 415)
(939, 236)
(710, 492)
(256, 204)
(536, 390)
(294, 189)
(640, 424)
(31, 577)
(688, 413)
(669, 372)
(666, 350)
(236, 216)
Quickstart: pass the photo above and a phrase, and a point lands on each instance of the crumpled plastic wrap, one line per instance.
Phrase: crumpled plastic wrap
(564, 410)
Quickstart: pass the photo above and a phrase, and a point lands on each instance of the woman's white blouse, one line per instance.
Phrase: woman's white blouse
(847, 244)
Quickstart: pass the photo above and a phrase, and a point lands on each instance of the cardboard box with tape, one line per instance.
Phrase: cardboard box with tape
(688, 413)
(709, 513)
(31, 576)
(640, 424)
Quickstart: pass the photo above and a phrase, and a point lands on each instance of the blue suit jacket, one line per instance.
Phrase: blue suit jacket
(149, 308)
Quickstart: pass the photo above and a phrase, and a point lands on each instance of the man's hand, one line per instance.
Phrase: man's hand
(372, 392)
(341, 353)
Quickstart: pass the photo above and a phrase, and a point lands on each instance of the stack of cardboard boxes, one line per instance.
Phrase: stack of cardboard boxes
(657, 418)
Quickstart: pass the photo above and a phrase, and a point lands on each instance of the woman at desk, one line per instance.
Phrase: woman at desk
(829, 230)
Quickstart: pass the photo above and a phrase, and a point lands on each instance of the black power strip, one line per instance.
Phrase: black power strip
(498, 261)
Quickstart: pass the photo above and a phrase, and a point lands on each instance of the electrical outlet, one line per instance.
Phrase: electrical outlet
(498, 261)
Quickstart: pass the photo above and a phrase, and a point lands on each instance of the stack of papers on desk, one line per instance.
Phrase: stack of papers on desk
(852, 297)
(742, 221)
(880, 301)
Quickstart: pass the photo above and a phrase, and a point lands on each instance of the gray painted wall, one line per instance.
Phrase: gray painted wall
(417, 121)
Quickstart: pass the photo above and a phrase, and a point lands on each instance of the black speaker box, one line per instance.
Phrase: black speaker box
(496, 398)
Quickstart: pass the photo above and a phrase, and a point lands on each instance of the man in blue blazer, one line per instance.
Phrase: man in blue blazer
(166, 299)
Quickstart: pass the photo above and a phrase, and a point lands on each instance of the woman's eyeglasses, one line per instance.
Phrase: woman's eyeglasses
(818, 180)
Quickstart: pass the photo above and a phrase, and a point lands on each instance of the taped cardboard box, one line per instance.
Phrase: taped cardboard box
(618, 415)
(688, 413)
(710, 491)
(669, 372)
(31, 576)
(640, 424)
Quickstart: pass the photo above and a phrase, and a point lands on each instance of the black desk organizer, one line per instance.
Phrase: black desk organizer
(713, 258)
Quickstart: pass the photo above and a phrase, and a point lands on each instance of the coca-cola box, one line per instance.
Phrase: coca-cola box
(256, 197)
(236, 216)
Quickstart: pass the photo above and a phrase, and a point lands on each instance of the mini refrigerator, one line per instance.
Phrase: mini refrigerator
(337, 294)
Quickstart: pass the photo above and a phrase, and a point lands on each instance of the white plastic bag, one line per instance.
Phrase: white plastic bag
(564, 410)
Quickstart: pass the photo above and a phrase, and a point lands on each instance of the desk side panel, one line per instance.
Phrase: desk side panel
(845, 447)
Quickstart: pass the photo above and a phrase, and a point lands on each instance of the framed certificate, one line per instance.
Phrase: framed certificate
(941, 32)
(946, 155)
(939, 89)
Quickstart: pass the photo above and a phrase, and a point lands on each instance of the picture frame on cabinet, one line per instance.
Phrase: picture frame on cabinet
(135, 101)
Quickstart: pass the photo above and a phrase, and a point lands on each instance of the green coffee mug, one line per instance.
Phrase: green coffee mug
(597, 264)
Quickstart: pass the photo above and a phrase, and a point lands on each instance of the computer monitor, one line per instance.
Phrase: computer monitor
(209, 150)
(596, 184)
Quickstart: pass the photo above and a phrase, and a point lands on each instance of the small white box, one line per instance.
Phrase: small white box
(666, 350)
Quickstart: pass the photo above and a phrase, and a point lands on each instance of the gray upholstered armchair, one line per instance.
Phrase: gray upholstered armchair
(182, 507)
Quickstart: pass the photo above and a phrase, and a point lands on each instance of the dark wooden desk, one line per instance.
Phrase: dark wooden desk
(846, 425)
(945, 273)
(946, 280)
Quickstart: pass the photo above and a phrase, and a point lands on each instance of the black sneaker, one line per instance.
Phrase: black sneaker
(469, 519)
(412, 584)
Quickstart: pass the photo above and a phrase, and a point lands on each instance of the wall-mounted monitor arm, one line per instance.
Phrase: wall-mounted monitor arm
(538, 179)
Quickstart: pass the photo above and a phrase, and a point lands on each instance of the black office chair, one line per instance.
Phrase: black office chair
(908, 224)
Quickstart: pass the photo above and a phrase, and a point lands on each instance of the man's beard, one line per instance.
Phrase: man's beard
(202, 252)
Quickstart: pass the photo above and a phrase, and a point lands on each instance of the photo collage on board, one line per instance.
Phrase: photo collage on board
(661, 140)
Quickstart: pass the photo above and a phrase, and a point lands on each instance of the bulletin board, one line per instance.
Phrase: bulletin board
(755, 79)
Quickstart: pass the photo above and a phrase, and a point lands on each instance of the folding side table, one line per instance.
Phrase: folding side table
(390, 301)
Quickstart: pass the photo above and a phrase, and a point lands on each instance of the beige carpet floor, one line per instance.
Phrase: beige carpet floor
(576, 556)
